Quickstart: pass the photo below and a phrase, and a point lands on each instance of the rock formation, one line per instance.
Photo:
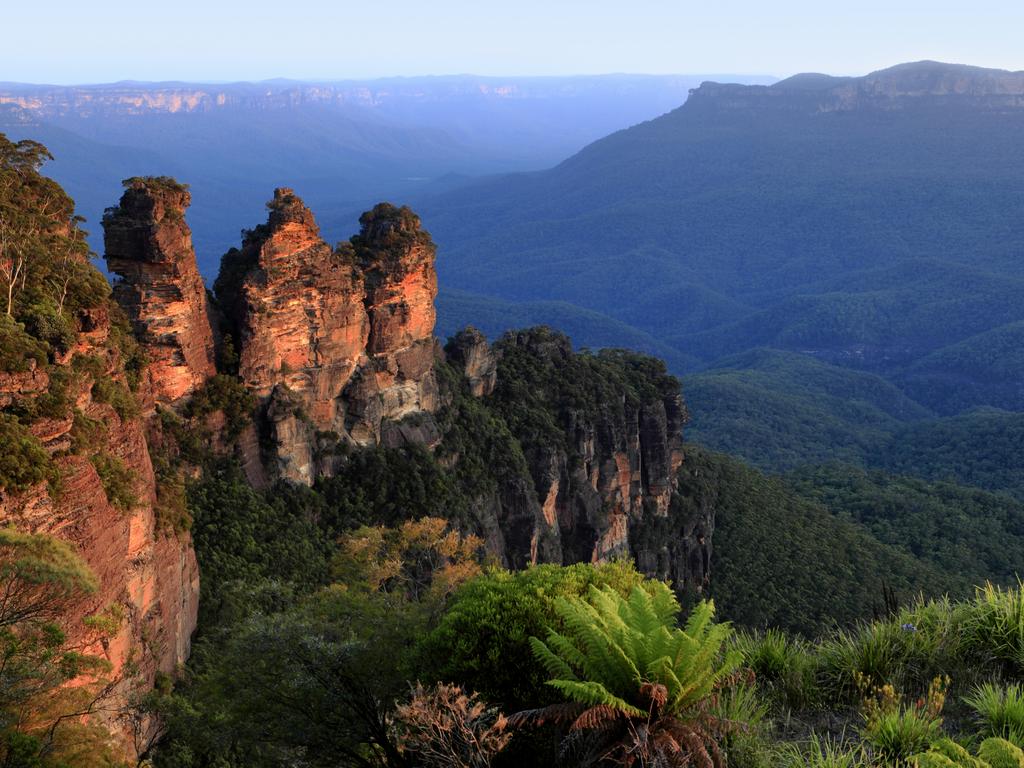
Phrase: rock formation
(336, 343)
(149, 245)
(150, 574)
(469, 350)
(611, 476)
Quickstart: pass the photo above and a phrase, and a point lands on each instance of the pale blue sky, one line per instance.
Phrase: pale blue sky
(74, 41)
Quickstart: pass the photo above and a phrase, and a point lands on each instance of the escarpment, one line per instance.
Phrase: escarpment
(602, 438)
(75, 462)
(149, 246)
(100, 495)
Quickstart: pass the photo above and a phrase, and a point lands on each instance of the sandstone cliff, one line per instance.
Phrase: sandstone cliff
(149, 246)
(336, 343)
(602, 438)
(147, 573)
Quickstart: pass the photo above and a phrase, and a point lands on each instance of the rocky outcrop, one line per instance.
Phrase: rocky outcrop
(396, 257)
(149, 246)
(469, 350)
(149, 575)
(336, 343)
(605, 470)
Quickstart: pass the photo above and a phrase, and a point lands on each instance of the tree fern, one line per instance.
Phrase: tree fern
(641, 684)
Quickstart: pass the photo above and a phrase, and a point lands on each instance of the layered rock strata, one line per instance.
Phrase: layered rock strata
(336, 343)
(149, 246)
(149, 576)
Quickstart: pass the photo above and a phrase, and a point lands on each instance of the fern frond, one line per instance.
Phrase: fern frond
(594, 694)
(552, 663)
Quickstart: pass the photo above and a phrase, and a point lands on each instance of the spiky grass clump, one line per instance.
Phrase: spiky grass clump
(822, 752)
(786, 668)
(999, 711)
(995, 626)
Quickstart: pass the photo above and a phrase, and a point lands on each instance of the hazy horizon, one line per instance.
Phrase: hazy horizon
(389, 78)
(314, 40)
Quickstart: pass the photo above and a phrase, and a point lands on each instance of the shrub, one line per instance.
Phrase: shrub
(870, 653)
(229, 396)
(785, 667)
(896, 731)
(86, 432)
(995, 626)
(23, 460)
(821, 752)
(993, 753)
(106, 390)
(482, 640)
(18, 350)
(442, 727)
(118, 481)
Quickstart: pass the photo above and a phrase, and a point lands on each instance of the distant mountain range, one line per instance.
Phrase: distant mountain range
(342, 145)
(874, 224)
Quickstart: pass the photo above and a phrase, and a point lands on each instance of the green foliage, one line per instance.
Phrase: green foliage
(999, 710)
(783, 561)
(42, 579)
(995, 626)
(897, 736)
(983, 448)
(227, 395)
(117, 479)
(86, 432)
(18, 349)
(133, 355)
(245, 537)
(543, 387)
(785, 667)
(1000, 753)
(386, 486)
(993, 753)
(821, 752)
(23, 461)
(477, 439)
(612, 646)
(310, 679)
(960, 530)
(482, 640)
(107, 390)
(639, 687)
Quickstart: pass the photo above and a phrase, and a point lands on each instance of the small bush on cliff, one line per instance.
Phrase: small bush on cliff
(19, 351)
(227, 395)
(23, 460)
(118, 481)
(117, 396)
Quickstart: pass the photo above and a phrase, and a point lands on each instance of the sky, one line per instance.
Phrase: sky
(83, 41)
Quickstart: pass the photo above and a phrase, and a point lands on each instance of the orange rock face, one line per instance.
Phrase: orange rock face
(151, 575)
(149, 245)
(336, 343)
